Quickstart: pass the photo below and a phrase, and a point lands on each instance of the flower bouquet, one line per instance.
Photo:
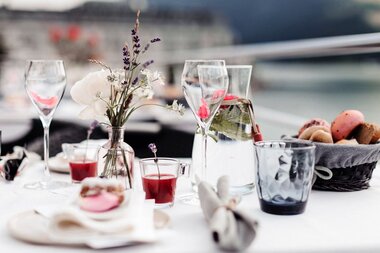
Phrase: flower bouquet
(112, 95)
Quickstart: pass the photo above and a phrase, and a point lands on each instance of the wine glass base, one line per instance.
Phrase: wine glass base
(50, 185)
(190, 199)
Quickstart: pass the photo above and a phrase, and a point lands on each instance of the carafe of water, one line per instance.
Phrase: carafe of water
(230, 149)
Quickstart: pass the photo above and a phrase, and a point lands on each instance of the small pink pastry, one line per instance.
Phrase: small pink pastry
(102, 202)
(345, 123)
(100, 195)
(314, 122)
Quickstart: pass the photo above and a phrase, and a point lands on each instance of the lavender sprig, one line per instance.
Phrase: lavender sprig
(153, 148)
(147, 63)
(135, 35)
(146, 48)
(155, 40)
(135, 80)
(126, 57)
(91, 129)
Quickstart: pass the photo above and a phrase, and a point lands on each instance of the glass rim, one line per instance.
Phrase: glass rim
(44, 60)
(308, 145)
(204, 66)
(238, 66)
(210, 60)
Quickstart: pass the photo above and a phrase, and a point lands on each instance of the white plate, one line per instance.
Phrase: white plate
(58, 164)
(37, 231)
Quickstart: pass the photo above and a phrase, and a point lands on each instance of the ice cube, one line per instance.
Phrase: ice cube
(281, 175)
(281, 160)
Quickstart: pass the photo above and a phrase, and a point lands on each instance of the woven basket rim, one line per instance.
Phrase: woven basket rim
(343, 156)
(353, 184)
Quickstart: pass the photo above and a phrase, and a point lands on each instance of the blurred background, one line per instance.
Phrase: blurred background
(287, 88)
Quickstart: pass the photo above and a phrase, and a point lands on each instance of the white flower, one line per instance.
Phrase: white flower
(175, 106)
(144, 92)
(153, 77)
(118, 77)
(93, 91)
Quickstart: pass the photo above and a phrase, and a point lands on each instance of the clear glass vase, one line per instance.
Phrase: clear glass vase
(230, 148)
(230, 151)
(116, 158)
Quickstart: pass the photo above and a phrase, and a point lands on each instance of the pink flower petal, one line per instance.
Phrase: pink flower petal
(50, 102)
(203, 111)
(230, 97)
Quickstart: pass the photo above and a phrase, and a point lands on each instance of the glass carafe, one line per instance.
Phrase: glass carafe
(230, 148)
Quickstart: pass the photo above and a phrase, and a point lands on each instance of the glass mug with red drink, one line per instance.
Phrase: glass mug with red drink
(159, 178)
(83, 160)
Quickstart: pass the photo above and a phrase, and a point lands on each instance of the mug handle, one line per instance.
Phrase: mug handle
(184, 169)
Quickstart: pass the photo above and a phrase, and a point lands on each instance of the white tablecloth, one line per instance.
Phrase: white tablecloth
(333, 222)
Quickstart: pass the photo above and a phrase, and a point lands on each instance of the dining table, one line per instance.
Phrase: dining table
(332, 221)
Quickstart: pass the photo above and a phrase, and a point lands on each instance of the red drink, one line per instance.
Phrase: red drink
(80, 170)
(162, 188)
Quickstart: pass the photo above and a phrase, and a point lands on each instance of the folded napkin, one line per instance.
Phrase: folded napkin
(122, 226)
(232, 229)
(13, 164)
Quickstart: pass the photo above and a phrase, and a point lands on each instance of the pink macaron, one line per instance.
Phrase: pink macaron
(101, 202)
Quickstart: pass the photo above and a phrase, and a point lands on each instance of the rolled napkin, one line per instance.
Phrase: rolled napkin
(232, 229)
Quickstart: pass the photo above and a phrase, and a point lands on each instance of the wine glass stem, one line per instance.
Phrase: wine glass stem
(203, 173)
(46, 177)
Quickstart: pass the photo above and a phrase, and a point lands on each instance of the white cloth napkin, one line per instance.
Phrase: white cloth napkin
(131, 224)
(231, 229)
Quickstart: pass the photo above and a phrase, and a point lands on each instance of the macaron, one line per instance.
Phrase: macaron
(101, 202)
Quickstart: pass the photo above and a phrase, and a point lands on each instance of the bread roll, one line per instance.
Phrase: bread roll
(364, 133)
(321, 136)
(345, 123)
(313, 122)
(376, 135)
(348, 142)
(308, 132)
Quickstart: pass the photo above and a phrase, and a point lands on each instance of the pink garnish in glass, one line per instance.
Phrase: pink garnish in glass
(51, 102)
(230, 97)
(203, 111)
(218, 94)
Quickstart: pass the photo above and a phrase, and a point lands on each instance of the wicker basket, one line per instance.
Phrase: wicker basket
(351, 166)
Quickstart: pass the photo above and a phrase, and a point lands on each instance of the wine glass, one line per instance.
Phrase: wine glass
(45, 82)
(204, 83)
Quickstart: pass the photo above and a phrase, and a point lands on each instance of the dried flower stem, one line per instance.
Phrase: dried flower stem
(153, 148)
(101, 64)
